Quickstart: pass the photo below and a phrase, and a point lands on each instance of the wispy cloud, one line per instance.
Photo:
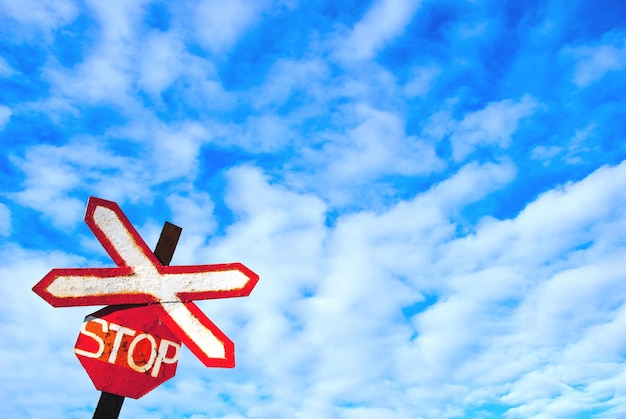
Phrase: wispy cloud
(431, 192)
(384, 21)
(593, 61)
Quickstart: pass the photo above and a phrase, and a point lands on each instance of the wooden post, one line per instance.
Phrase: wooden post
(110, 405)
(164, 250)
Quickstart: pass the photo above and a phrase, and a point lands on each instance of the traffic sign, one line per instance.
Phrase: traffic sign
(140, 278)
(127, 350)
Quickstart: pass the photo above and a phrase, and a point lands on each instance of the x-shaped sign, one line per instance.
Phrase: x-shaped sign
(141, 279)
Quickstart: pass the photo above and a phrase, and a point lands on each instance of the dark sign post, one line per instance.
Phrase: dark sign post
(131, 347)
(110, 405)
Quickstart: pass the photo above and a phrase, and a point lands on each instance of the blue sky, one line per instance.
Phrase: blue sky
(433, 194)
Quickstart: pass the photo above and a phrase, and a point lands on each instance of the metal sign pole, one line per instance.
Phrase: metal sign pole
(110, 405)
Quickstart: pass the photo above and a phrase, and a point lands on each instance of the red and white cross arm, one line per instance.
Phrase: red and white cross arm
(140, 278)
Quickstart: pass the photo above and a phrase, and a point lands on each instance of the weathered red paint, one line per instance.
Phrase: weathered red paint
(127, 350)
(140, 278)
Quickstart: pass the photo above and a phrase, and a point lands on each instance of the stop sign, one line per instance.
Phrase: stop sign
(126, 350)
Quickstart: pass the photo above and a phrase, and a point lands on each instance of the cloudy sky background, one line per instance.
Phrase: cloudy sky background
(433, 194)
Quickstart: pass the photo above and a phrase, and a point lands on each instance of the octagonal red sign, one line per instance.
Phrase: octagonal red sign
(127, 350)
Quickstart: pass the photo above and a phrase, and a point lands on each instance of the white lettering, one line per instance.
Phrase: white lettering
(121, 331)
(131, 350)
(98, 339)
(162, 357)
(167, 352)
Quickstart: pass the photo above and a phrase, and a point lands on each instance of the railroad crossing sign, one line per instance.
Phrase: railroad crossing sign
(141, 279)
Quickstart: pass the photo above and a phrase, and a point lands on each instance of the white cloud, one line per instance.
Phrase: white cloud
(352, 274)
(119, 171)
(471, 183)
(262, 134)
(162, 60)
(193, 212)
(493, 125)
(36, 358)
(280, 235)
(47, 187)
(593, 61)
(5, 115)
(175, 150)
(326, 318)
(556, 293)
(596, 62)
(268, 212)
(422, 81)
(374, 147)
(108, 72)
(377, 146)
(372, 413)
(194, 209)
(95, 81)
(34, 14)
(54, 176)
(472, 327)
(367, 83)
(5, 68)
(219, 25)
(554, 224)
(573, 152)
(545, 153)
(127, 60)
(289, 77)
(382, 23)
(5, 220)
(118, 20)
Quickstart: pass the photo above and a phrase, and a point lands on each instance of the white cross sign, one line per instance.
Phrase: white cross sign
(140, 278)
